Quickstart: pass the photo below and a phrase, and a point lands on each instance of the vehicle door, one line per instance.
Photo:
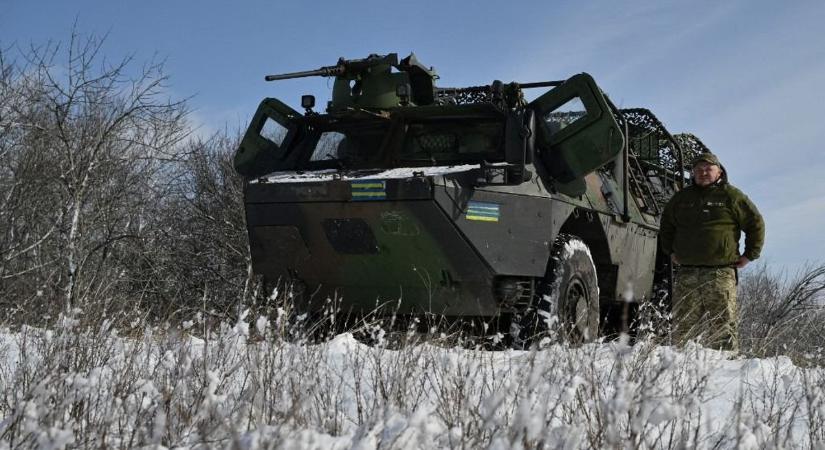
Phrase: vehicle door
(268, 139)
(576, 129)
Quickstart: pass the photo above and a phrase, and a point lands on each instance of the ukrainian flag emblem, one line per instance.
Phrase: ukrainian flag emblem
(485, 212)
(365, 190)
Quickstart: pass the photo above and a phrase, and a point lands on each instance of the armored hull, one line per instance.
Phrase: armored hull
(403, 240)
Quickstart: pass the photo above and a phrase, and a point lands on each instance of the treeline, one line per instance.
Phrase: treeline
(106, 196)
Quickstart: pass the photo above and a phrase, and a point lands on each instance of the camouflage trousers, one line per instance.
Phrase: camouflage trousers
(704, 307)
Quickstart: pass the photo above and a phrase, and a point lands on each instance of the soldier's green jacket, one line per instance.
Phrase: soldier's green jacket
(702, 226)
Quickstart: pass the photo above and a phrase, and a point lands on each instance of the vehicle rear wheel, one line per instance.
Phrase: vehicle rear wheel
(567, 303)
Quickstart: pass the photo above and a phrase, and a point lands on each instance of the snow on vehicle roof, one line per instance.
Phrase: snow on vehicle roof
(332, 174)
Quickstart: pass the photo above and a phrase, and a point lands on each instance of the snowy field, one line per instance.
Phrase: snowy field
(243, 387)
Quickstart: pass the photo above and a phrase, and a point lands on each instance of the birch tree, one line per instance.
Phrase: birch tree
(95, 136)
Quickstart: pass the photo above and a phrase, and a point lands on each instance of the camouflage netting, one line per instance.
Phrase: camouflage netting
(691, 147)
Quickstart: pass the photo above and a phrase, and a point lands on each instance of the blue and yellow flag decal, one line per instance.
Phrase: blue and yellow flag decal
(365, 190)
(485, 212)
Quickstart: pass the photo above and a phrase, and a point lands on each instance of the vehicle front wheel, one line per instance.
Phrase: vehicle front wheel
(567, 302)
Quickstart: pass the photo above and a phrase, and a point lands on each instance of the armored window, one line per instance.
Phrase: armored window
(340, 147)
(273, 131)
(560, 118)
(331, 145)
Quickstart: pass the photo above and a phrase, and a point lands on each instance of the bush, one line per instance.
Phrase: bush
(783, 315)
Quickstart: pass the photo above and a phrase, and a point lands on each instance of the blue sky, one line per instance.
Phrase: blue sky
(747, 77)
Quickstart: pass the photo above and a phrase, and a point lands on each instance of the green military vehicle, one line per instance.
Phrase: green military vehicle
(407, 198)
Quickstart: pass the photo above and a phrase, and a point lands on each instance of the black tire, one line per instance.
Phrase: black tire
(569, 292)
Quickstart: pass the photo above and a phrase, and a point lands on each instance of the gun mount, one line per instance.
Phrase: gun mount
(375, 82)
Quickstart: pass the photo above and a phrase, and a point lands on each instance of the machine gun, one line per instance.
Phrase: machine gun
(370, 83)
(346, 68)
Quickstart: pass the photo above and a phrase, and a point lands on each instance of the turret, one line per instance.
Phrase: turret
(371, 83)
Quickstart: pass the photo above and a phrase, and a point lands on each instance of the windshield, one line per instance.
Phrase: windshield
(425, 143)
(347, 147)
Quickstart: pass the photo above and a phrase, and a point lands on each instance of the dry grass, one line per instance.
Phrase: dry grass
(85, 382)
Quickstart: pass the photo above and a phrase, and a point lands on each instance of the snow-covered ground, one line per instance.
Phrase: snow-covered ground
(90, 388)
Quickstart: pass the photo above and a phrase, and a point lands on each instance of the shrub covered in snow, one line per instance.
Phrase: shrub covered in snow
(242, 385)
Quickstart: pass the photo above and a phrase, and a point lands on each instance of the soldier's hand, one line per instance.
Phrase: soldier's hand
(741, 262)
(673, 258)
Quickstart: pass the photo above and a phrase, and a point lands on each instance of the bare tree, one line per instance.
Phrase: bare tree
(84, 150)
(200, 249)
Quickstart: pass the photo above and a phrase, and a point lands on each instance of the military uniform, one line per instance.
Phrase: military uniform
(701, 226)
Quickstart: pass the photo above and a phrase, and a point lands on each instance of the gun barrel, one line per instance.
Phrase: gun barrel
(541, 84)
(329, 71)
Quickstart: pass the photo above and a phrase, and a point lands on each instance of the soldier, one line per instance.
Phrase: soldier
(700, 229)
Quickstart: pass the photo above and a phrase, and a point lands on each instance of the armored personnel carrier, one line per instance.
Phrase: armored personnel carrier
(466, 202)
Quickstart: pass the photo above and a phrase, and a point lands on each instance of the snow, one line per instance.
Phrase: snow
(391, 174)
(244, 387)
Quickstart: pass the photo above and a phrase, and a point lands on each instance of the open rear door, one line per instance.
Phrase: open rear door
(268, 139)
(577, 132)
